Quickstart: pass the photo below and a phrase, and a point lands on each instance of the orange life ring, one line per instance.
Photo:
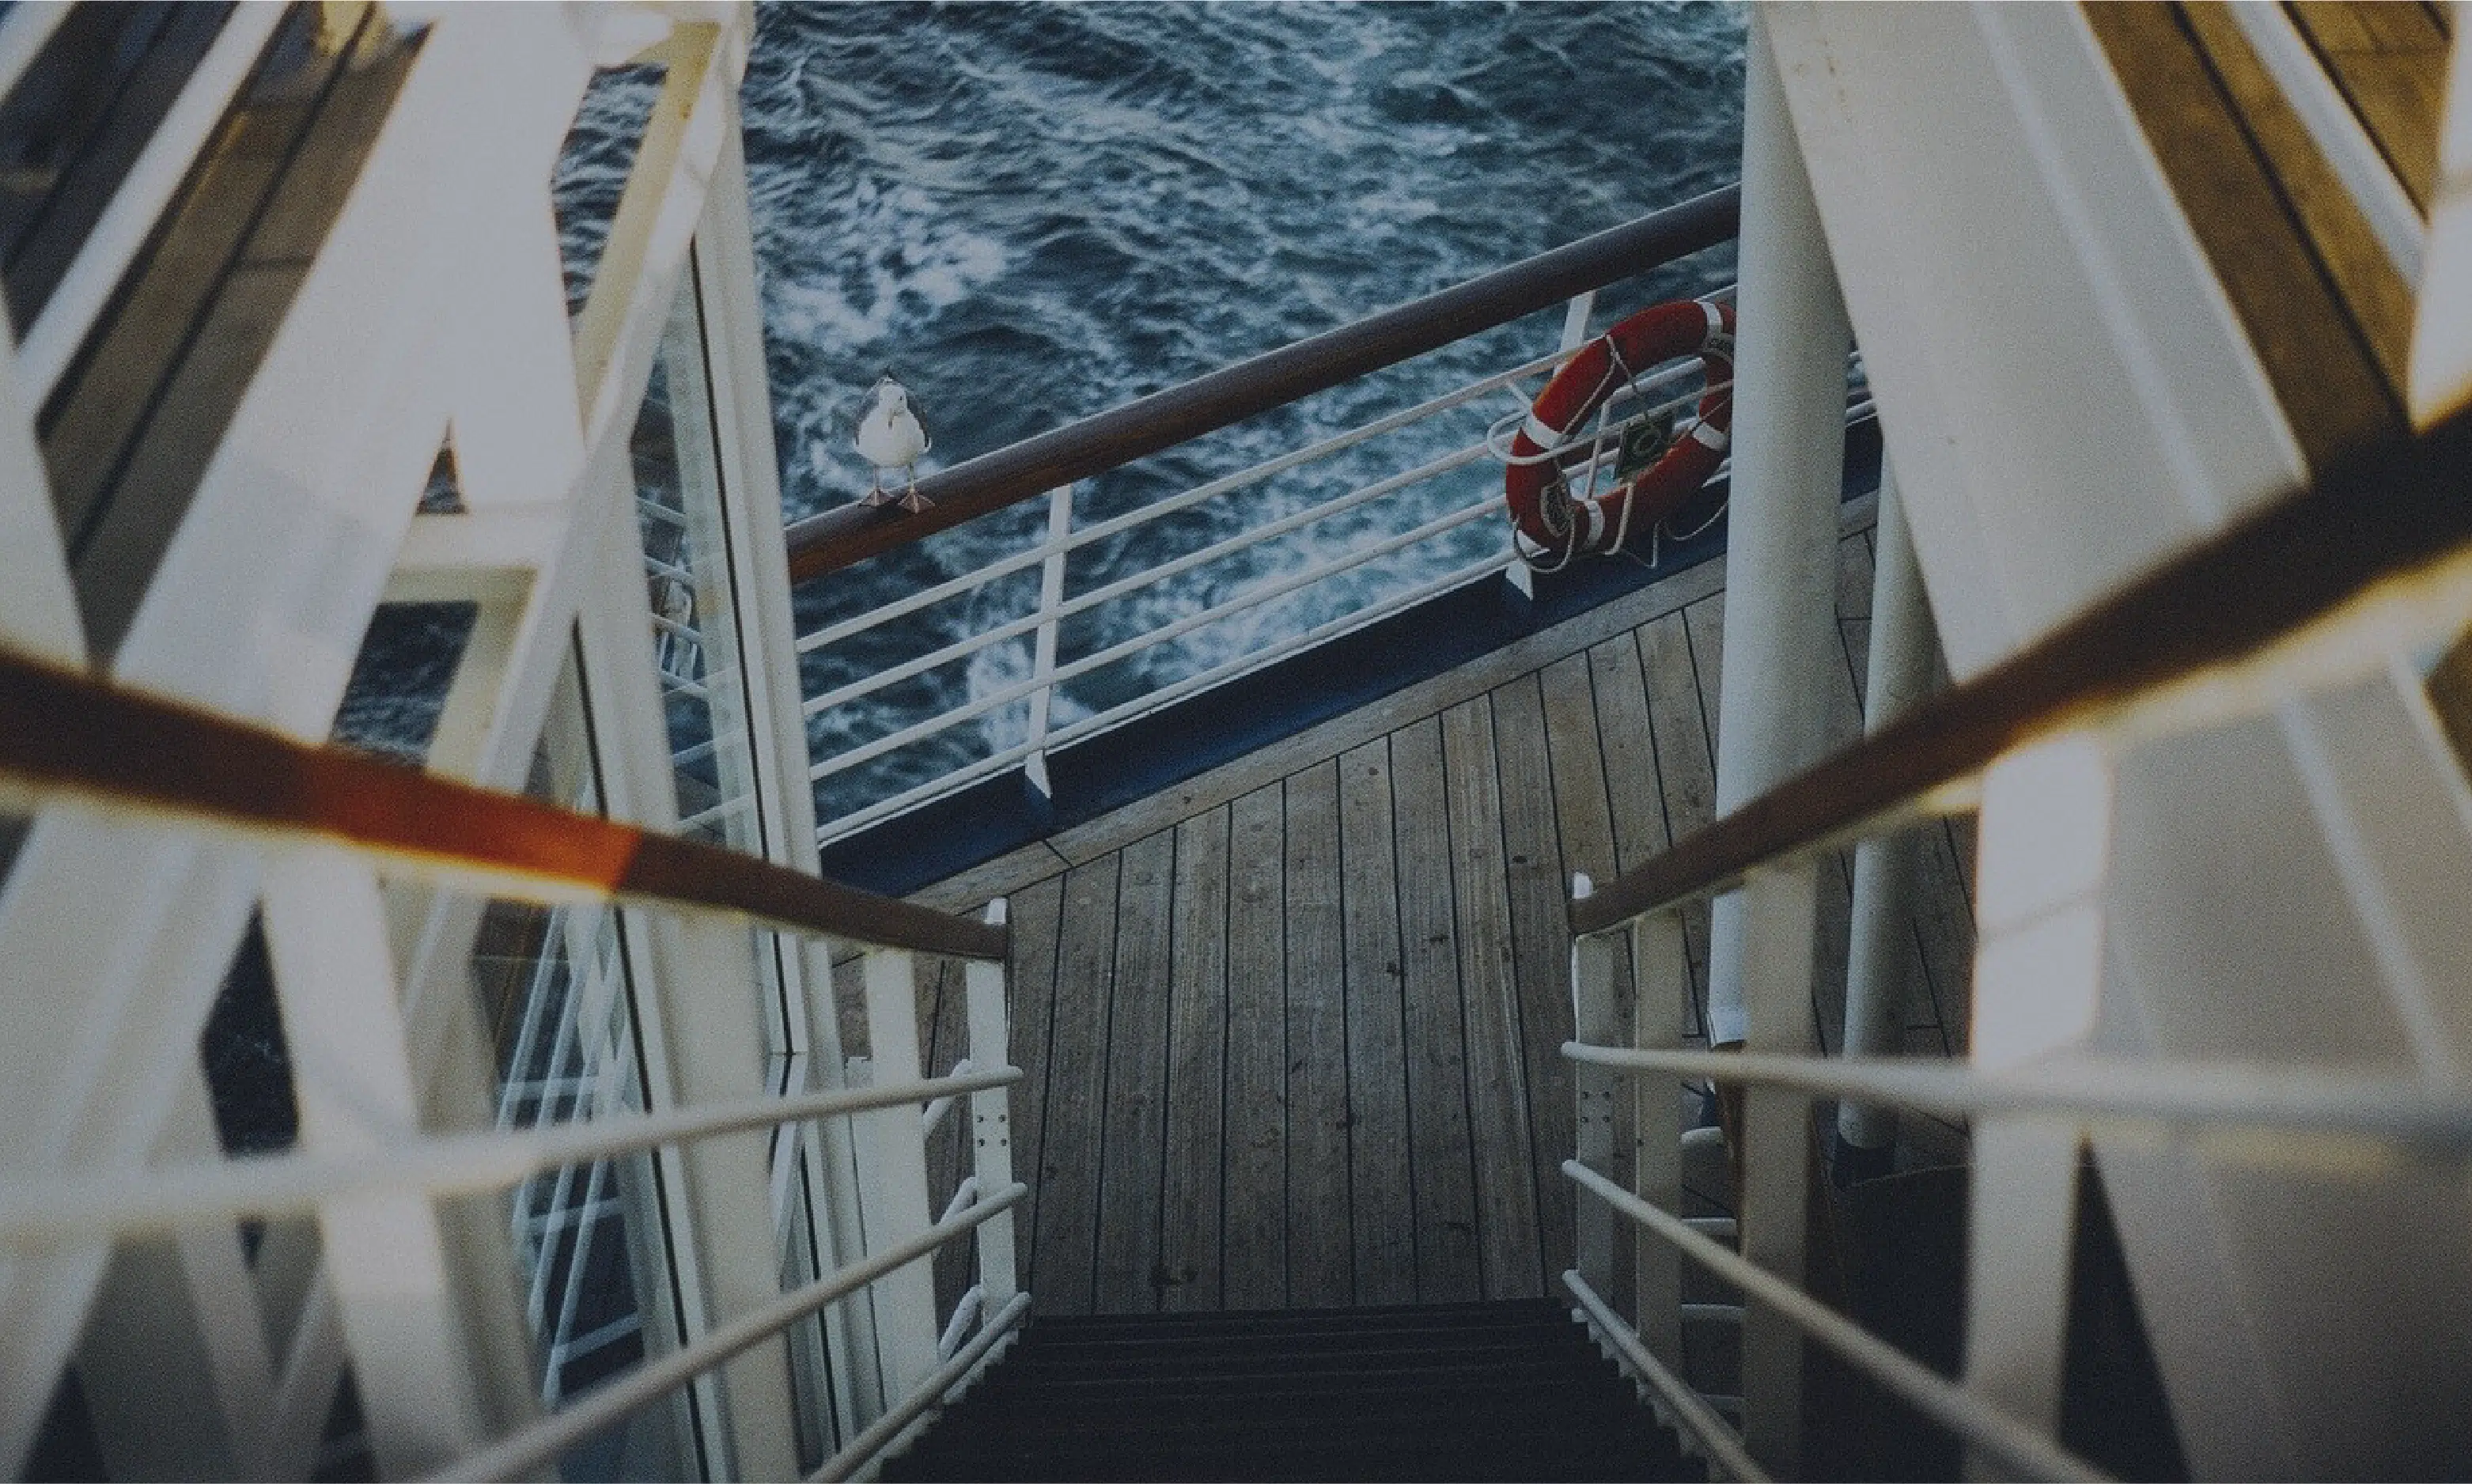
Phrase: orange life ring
(1542, 506)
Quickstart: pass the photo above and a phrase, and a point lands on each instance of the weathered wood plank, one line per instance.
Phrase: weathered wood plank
(1381, 1209)
(2313, 353)
(2390, 62)
(1254, 1262)
(1706, 622)
(1635, 804)
(1197, 1145)
(1320, 1270)
(1686, 772)
(2364, 279)
(1541, 940)
(1442, 1183)
(1583, 825)
(1076, 1078)
(1036, 912)
(1575, 765)
(1506, 1223)
(1132, 1148)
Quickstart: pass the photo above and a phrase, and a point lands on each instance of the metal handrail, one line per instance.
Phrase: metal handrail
(1968, 1415)
(2374, 554)
(1111, 440)
(58, 1209)
(67, 733)
(1691, 1414)
(1225, 484)
(2135, 1098)
(883, 1430)
(528, 1449)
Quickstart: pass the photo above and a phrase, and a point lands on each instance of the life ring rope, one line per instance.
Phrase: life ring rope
(1553, 525)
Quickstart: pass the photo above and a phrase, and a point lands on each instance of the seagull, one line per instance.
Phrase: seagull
(891, 438)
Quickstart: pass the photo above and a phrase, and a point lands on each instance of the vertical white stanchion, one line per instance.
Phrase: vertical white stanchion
(1043, 664)
(991, 1121)
(351, 1070)
(1594, 1088)
(1575, 334)
(1780, 633)
(1661, 974)
(1900, 667)
(895, 1202)
(2045, 859)
(1780, 919)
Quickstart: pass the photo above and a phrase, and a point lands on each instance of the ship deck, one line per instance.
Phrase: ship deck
(1291, 1029)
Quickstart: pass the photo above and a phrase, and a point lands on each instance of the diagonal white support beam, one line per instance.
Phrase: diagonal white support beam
(2038, 968)
(351, 1066)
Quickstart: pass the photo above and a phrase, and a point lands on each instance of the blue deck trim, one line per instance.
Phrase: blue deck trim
(1192, 737)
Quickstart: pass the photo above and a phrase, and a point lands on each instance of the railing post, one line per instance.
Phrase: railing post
(1780, 633)
(991, 1120)
(1780, 919)
(1575, 334)
(893, 1206)
(1595, 1088)
(1661, 977)
(1043, 664)
(2045, 863)
(1882, 950)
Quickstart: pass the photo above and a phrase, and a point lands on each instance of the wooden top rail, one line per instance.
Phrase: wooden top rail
(2390, 524)
(66, 732)
(836, 539)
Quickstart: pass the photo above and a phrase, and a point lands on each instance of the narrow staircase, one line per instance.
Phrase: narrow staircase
(1478, 1391)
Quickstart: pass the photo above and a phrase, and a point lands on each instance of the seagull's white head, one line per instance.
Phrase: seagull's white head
(891, 396)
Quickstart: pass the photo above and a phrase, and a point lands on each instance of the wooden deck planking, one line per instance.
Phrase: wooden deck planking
(1316, 1059)
(1254, 1260)
(1442, 1169)
(1498, 1103)
(1190, 1236)
(1134, 1119)
(1077, 1072)
(1381, 1204)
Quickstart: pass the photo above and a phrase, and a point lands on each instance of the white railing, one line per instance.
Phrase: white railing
(1427, 527)
(2036, 1092)
(2308, 1120)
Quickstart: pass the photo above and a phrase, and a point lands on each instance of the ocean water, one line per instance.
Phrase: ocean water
(1029, 213)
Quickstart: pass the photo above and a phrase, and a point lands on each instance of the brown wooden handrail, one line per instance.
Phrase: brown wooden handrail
(2375, 522)
(62, 732)
(836, 537)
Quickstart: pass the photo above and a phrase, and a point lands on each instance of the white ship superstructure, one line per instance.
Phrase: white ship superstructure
(2041, 802)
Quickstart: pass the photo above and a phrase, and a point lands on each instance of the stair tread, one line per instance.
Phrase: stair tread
(1478, 1391)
